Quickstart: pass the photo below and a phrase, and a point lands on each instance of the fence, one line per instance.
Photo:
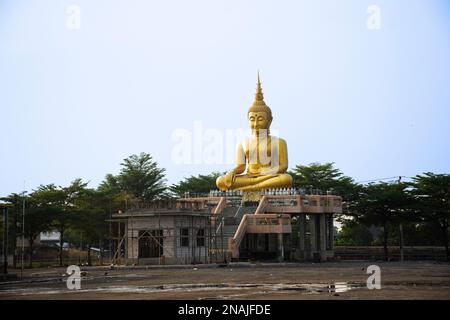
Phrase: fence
(377, 253)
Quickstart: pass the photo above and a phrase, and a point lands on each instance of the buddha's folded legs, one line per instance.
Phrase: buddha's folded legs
(248, 183)
(276, 181)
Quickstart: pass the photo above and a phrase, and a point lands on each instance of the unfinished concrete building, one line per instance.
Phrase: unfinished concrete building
(217, 229)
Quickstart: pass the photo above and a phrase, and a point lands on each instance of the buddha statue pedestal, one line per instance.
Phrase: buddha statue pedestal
(251, 196)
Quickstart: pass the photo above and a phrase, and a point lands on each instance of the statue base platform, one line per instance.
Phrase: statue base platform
(251, 196)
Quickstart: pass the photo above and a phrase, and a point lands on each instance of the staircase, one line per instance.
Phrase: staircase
(258, 223)
(227, 223)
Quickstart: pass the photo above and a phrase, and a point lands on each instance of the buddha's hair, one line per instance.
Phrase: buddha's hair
(260, 108)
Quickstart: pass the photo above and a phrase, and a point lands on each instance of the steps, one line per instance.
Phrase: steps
(228, 222)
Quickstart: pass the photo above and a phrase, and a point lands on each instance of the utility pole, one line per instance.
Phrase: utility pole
(81, 246)
(23, 233)
(5, 241)
(110, 231)
(401, 232)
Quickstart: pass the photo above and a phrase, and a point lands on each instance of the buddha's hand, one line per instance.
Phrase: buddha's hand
(229, 179)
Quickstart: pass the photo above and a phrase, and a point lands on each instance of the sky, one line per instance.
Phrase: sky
(86, 83)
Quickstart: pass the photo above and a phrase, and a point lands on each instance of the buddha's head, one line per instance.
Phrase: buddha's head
(259, 114)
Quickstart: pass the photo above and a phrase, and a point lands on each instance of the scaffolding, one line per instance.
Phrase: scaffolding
(210, 229)
(192, 239)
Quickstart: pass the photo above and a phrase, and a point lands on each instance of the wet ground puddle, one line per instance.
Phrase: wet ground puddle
(336, 287)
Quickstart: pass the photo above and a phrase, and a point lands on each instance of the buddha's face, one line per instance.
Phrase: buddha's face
(259, 121)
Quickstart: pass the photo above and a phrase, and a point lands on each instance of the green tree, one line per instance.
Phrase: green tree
(2, 231)
(384, 205)
(110, 185)
(140, 176)
(324, 177)
(200, 184)
(113, 197)
(91, 219)
(354, 233)
(37, 219)
(432, 194)
(60, 202)
(15, 215)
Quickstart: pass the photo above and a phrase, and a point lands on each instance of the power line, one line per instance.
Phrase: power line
(388, 178)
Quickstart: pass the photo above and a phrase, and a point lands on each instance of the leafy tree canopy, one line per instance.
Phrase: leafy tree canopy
(200, 184)
(324, 177)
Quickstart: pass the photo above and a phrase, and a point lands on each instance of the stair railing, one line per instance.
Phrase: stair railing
(263, 203)
(235, 242)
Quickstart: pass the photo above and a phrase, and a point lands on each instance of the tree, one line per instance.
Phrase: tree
(324, 177)
(200, 184)
(2, 232)
(432, 194)
(110, 185)
(91, 218)
(60, 204)
(140, 176)
(15, 214)
(354, 233)
(382, 204)
(37, 220)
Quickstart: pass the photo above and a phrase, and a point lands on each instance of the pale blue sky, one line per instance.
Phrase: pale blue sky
(74, 103)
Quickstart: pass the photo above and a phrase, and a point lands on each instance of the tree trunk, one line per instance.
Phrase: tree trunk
(385, 241)
(14, 236)
(89, 254)
(101, 253)
(61, 243)
(30, 254)
(445, 237)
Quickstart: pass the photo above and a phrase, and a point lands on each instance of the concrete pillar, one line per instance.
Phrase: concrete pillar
(302, 236)
(331, 226)
(132, 245)
(313, 235)
(126, 243)
(323, 237)
(280, 247)
(129, 243)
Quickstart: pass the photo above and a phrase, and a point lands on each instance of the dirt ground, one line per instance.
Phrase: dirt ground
(336, 280)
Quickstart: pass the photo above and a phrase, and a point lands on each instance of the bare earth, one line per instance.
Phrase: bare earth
(337, 280)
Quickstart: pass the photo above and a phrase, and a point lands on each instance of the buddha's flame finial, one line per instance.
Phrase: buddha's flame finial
(259, 95)
(258, 104)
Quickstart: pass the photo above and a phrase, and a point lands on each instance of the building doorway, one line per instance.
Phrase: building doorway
(151, 244)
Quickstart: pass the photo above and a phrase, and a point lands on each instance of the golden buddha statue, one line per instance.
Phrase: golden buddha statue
(262, 157)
